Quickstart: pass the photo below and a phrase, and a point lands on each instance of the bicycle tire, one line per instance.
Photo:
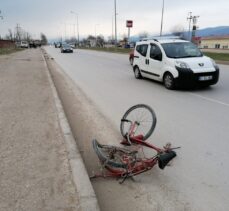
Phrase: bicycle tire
(152, 122)
(103, 153)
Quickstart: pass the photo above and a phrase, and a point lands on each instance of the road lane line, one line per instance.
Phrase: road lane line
(210, 99)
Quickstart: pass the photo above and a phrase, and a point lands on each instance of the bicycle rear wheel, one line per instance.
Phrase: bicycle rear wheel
(141, 114)
(114, 157)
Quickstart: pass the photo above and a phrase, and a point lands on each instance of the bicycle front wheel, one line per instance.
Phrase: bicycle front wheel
(142, 115)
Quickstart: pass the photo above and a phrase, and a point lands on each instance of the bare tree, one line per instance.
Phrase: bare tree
(91, 41)
(178, 30)
(71, 40)
(84, 42)
(18, 34)
(91, 37)
(28, 36)
(100, 41)
(124, 36)
(124, 39)
(143, 34)
(10, 35)
(44, 40)
(23, 34)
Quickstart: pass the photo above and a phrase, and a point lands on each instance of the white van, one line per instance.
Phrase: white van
(175, 62)
(24, 44)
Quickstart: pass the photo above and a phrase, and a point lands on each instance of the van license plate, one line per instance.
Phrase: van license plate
(205, 78)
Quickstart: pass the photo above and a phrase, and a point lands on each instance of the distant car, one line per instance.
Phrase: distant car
(72, 45)
(127, 46)
(65, 48)
(24, 44)
(57, 45)
(131, 57)
(132, 45)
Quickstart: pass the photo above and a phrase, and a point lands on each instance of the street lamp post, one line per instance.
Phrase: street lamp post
(65, 36)
(96, 34)
(162, 15)
(77, 19)
(115, 22)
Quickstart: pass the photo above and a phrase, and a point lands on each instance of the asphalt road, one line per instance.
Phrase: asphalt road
(196, 120)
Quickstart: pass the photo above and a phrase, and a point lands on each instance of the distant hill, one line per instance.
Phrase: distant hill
(213, 31)
(206, 32)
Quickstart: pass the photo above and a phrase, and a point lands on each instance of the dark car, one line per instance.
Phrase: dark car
(131, 57)
(65, 48)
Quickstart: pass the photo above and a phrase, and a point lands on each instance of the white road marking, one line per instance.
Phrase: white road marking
(210, 99)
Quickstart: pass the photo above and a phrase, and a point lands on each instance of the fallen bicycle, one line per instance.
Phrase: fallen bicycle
(137, 124)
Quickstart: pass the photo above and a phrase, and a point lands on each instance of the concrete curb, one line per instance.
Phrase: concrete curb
(86, 194)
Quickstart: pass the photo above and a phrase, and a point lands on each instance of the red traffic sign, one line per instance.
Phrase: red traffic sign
(129, 23)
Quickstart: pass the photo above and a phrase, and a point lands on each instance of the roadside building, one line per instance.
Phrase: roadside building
(215, 42)
(196, 41)
(7, 44)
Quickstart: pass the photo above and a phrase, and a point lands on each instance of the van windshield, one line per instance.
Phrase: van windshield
(181, 50)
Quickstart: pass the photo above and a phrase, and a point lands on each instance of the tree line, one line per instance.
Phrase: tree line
(19, 34)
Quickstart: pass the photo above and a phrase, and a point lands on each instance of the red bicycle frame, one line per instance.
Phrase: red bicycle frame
(141, 164)
(138, 139)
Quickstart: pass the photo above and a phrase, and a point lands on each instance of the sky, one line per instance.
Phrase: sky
(54, 17)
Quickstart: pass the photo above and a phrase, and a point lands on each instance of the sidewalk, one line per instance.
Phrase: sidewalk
(34, 169)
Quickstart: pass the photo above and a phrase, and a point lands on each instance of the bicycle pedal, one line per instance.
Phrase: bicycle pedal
(124, 142)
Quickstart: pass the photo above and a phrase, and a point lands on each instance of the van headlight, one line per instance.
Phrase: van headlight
(214, 64)
(181, 65)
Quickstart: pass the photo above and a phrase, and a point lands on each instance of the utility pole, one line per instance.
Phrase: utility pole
(128, 35)
(62, 32)
(74, 25)
(194, 19)
(77, 23)
(112, 30)
(162, 16)
(18, 32)
(194, 27)
(2, 19)
(189, 25)
(78, 33)
(1, 15)
(65, 32)
(115, 22)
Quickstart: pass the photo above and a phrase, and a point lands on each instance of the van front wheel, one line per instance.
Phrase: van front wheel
(137, 73)
(169, 81)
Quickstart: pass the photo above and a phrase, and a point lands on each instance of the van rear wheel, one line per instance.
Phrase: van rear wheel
(169, 81)
(137, 73)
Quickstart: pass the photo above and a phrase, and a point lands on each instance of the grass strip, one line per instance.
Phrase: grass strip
(215, 56)
(4, 51)
(110, 49)
(218, 56)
